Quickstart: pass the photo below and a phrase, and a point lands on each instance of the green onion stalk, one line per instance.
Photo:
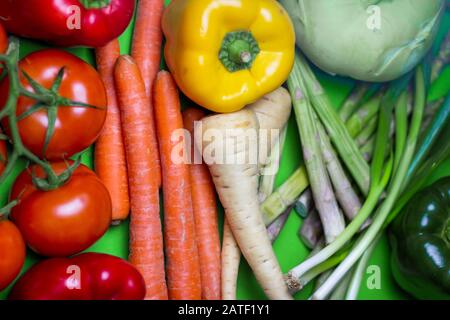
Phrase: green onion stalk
(296, 285)
(401, 128)
(357, 274)
(341, 289)
(380, 175)
(322, 278)
(332, 219)
(439, 151)
(434, 129)
(417, 174)
(394, 190)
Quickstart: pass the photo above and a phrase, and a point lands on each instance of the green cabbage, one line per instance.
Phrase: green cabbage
(371, 40)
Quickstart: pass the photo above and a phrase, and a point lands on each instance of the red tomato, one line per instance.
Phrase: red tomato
(76, 128)
(63, 221)
(3, 40)
(88, 276)
(12, 253)
(68, 22)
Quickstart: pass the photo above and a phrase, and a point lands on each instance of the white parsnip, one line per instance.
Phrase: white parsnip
(236, 136)
(231, 257)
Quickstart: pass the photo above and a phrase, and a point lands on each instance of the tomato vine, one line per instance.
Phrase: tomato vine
(45, 98)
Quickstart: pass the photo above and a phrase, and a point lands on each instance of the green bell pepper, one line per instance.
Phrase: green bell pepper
(420, 239)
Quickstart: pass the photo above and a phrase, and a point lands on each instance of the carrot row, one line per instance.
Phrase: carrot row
(146, 241)
(205, 216)
(146, 51)
(110, 162)
(183, 270)
(134, 158)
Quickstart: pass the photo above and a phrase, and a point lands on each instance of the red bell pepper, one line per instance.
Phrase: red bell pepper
(88, 276)
(90, 23)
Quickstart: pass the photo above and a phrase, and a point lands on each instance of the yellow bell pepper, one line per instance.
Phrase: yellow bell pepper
(225, 54)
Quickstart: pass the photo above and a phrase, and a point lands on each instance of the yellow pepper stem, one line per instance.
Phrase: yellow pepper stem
(239, 50)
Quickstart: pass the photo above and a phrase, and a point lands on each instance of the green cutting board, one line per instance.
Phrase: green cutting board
(288, 247)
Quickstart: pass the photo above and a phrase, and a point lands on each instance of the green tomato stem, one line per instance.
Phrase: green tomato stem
(4, 212)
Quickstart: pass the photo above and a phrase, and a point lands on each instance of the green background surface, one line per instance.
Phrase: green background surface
(288, 247)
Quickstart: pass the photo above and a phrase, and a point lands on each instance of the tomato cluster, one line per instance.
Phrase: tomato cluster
(76, 127)
(63, 219)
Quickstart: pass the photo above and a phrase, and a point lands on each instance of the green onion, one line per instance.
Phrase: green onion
(365, 240)
(401, 128)
(432, 132)
(358, 272)
(380, 175)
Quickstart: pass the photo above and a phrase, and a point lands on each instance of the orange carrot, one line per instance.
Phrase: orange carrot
(183, 269)
(205, 216)
(110, 163)
(146, 239)
(146, 49)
